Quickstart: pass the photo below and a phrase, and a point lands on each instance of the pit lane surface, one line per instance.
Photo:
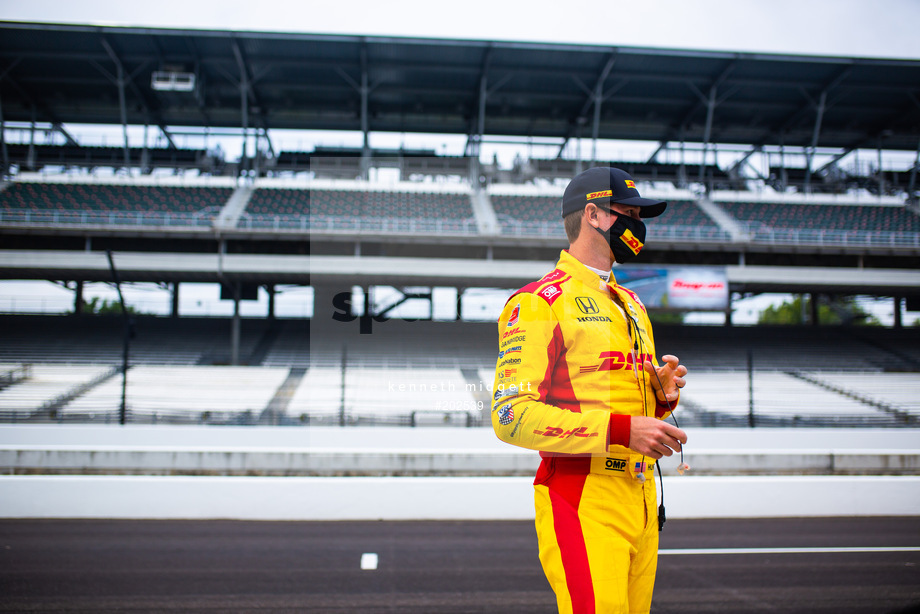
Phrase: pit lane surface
(770, 565)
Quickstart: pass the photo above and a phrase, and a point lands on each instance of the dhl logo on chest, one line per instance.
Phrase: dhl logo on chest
(615, 361)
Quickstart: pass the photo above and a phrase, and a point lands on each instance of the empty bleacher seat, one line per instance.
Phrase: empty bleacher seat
(190, 391)
(113, 203)
(381, 210)
(381, 393)
(778, 397)
(825, 217)
(533, 214)
(894, 391)
(45, 384)
(99, 340)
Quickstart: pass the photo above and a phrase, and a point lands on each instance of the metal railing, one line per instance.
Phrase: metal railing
(761, 233)
(219, 417)
(108, 218)
(358, 224)
(754, 232)
(658, 232)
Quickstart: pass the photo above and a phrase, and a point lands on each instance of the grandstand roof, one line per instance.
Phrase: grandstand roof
(70, 74)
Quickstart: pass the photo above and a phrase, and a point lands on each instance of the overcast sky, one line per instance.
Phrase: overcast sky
(858, 28)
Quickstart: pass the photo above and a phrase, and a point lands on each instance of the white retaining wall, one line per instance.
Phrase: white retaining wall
(405, 498)
(409, 498)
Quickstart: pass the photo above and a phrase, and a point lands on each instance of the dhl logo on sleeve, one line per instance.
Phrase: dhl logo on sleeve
(602, 194)
(630, 183)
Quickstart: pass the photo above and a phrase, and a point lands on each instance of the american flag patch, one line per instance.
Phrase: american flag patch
(505, 415)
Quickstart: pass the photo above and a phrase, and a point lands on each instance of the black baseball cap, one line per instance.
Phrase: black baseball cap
(604, 184)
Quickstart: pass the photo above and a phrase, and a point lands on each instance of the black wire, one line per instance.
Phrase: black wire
(662, 516)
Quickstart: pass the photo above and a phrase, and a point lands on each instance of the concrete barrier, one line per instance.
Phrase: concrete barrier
(444, 473)
(411, 498)
(506, 461)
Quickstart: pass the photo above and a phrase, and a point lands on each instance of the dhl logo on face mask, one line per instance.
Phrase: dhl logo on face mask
(634, 244)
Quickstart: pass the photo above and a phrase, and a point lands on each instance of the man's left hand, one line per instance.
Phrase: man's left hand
(669, 380)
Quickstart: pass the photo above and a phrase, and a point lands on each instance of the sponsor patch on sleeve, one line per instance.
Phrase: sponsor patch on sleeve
(550, 293)
(515, 314)
(505, 414)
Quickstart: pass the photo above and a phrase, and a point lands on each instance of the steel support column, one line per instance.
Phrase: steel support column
(6, 155)
(810, 155)
(174, 300)
(235, 325)
(123, 111)
(244, 105)
(596, 123)
(78, 298)
(120, 82)
(881, 175)
(480, 130)
(145, 153)
(365, 91)
(30, 159)
(707, 131)
(912, 184)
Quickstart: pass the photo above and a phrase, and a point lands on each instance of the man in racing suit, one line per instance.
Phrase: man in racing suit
(577, 379)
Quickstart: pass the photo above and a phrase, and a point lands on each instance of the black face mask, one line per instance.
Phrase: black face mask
(626, 237)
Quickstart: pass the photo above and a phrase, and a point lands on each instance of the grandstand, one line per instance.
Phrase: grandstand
(63, 200)
(437, 373)
(404, 209)
(335, 217)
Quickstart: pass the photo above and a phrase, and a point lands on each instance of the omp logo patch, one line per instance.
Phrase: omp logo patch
(615, 464)
(549, 292)
(586, 305)
(634, 244)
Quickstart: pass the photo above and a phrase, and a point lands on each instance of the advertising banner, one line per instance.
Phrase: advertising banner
(686, 288)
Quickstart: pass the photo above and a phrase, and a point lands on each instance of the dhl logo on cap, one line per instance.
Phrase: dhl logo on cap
(605, 193)
(630, 183)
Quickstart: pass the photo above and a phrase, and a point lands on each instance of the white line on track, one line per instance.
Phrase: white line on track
(369, 560)
(789, 550)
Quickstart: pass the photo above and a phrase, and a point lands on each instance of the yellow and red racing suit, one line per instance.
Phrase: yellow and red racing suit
(568, 379)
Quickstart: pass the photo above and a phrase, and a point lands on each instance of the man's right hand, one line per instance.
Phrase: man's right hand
(654, 438)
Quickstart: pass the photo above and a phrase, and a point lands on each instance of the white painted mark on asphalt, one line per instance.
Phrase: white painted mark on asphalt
(369, 560)
(790, 550)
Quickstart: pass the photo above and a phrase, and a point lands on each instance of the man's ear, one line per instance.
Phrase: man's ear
(591, 215)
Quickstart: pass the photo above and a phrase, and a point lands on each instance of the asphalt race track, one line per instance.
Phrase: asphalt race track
(840, 565)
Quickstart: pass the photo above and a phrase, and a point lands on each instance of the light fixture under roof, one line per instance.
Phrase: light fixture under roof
(172, 81)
